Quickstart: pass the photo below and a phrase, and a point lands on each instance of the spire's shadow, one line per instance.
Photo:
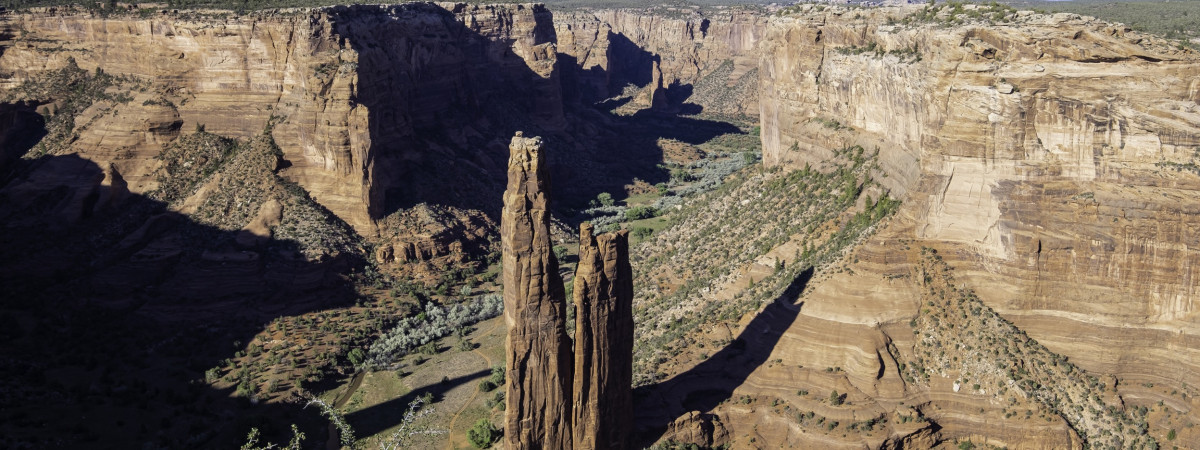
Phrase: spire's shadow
(713, 381)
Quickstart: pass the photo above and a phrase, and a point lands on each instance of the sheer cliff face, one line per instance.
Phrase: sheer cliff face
(1043, 156)
(705, 60)
(352, 92)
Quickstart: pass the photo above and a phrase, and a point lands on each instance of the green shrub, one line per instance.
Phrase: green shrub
(640, 212)
(483, 434)
(428, 349)
(497, 377)
(356, 356)
(641, 232)
(605, 199)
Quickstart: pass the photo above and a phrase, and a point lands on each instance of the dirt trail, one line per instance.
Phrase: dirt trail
(474, 393)
(334, 442)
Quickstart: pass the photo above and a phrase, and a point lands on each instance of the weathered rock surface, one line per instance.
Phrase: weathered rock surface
(351, 92)
(705, 58)
(603, 396)
(1048, 158)
(538, 356)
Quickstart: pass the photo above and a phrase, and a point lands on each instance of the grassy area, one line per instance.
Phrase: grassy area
(641, 230)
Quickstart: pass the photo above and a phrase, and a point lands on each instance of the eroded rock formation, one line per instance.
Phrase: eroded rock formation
(704, 57)
(538, 355)
(347, 100)
(603, 400)
(550, 402)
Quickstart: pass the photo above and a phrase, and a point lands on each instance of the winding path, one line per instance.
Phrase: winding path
(334, 442)
(474, 393)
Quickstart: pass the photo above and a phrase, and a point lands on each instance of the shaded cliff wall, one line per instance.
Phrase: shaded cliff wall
(354, 93)
(1050, 157)
(706, 59)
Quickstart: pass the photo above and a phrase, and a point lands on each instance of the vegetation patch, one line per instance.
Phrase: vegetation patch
(959, 336)
(430, 325)
(752, 213)
(73, 90)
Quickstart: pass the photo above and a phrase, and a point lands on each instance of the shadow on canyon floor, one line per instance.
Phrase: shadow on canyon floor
(713, 381)
(113, 310)
(375, 419)
(440, 124)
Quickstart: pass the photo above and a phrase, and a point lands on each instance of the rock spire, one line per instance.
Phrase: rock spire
(558, 397)
(603, 400)
(538, 355)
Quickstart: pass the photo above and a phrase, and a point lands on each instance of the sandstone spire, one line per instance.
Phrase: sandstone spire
(603, 396)
(538, 356)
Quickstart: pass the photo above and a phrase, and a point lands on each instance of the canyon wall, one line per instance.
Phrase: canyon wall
(364, 101)
(707, 59)
(1050, 158)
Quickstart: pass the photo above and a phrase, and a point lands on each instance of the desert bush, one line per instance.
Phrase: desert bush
(433, 323)
(605, 199)
(483, 434)
(641, 232)
(640, 212)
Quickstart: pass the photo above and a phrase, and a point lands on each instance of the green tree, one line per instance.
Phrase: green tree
(356, 356)
(640, 212)
(605, 199)
(483, 434)
(497, 377)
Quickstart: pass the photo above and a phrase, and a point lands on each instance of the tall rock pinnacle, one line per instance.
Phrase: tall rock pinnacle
(538, 355)
(603, 399)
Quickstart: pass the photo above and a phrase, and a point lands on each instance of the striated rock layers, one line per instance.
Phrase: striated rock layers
(542, 409)
(1048, 158)
(707, 58)
(603, 340)
(351, 94)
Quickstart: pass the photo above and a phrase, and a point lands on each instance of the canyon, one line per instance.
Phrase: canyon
(970, 223)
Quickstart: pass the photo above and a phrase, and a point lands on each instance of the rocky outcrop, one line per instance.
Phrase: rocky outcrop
(603, 400)
(538, 358)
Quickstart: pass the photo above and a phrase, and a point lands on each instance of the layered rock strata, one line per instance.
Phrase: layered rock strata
(603, 403)
(351, 94)
(1048, 158)
(538, 358)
